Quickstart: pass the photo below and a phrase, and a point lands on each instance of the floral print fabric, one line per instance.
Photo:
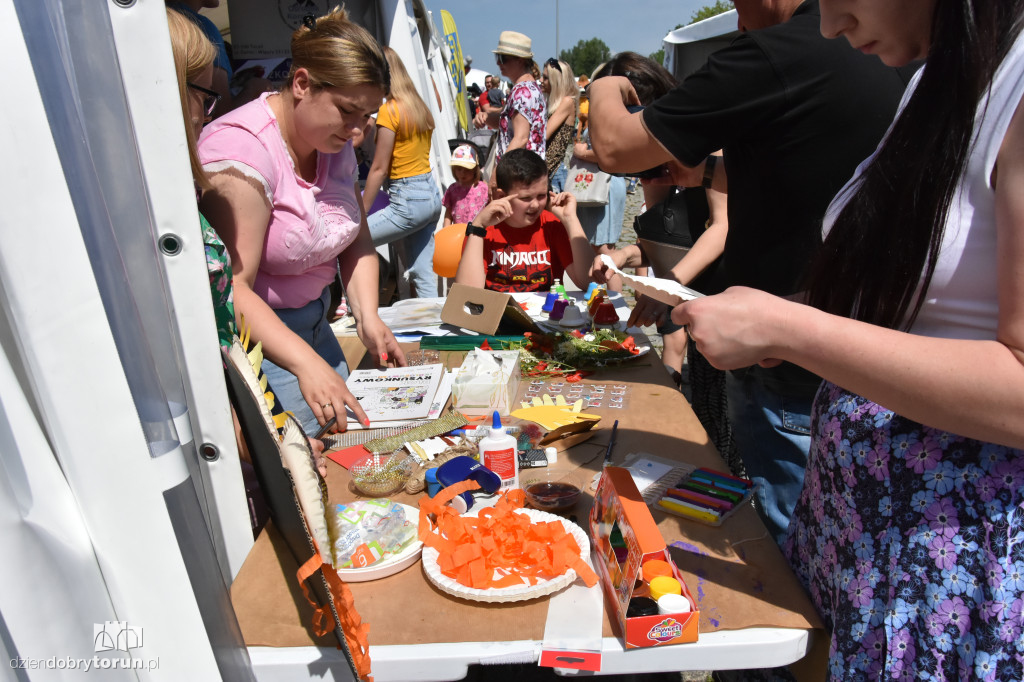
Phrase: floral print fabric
(560, 142)
(465, 202)
(911, 543)
(218, 265)
(527, 100)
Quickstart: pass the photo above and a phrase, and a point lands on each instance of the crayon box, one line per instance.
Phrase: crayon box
(625, 535)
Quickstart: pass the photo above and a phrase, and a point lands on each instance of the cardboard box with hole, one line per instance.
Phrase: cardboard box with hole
(485, 312)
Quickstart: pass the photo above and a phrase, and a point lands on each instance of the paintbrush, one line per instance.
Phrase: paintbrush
(611, 444)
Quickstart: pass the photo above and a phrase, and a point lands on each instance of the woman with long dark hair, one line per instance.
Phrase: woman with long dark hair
(910, 530)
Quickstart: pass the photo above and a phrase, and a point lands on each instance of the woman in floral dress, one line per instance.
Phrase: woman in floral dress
(522, 121)
(909, 533)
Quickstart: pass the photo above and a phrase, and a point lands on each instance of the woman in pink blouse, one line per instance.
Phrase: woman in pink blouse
(287, 205)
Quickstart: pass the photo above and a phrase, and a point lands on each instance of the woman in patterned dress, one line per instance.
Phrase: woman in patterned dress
(909, 533)
(522, 121)
(563, 100)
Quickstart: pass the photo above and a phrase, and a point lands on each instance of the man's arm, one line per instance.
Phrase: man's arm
(620, 139)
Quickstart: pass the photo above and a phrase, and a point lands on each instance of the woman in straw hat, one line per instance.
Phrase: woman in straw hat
(522, 121)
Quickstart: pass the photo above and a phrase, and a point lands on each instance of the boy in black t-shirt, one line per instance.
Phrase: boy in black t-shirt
(514, 244)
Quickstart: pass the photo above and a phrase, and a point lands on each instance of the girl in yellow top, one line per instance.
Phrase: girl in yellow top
(404, 129)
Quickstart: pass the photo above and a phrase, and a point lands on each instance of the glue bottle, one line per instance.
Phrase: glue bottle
(498, 453)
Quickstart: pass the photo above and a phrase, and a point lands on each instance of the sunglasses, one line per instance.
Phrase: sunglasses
(209, 101)
(553, 63)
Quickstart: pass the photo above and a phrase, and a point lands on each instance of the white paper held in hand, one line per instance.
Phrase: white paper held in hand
(664, 290)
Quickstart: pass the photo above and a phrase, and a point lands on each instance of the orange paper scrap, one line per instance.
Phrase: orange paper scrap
(499, 548)
(357, 633)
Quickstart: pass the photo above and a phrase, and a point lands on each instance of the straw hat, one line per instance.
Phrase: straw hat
(515, 45)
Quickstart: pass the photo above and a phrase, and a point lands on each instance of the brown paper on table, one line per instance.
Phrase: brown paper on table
(740, 582)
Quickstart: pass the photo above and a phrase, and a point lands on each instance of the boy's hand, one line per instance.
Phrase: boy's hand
(563, 204)
(493, 213)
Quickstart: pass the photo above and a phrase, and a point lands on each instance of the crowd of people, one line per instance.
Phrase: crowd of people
(857, 162)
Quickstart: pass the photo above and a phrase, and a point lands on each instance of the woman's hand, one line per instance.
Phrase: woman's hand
(380, 342)
(327, 395)
(738, 328)
(648, 311)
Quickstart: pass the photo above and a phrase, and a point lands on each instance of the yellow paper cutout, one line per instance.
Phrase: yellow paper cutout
(552, 416)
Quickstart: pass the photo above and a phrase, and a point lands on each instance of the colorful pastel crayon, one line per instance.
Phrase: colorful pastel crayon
(684, 509)
(745, 482)
(718, 483)
(720, 493)
(697, 498)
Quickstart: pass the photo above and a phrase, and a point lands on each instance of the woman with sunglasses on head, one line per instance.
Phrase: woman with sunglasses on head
(522, 121)
(286, 201)
(402, 158)
(909, 532)
(559, 84)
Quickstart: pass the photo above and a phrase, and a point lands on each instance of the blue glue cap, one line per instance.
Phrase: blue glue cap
(433, 487)
(496, 421)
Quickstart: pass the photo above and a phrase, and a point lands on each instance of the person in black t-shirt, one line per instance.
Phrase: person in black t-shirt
(794, 114)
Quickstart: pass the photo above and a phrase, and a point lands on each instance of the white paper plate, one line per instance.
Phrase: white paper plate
(518, 592)
(392, 564)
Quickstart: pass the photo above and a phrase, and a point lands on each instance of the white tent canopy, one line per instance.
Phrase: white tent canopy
(476, 76)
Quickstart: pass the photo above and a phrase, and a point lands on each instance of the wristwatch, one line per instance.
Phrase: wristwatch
(709, 171)
(475, 229)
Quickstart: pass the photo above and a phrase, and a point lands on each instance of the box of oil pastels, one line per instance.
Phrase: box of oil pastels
(646, 594)
(703, 495)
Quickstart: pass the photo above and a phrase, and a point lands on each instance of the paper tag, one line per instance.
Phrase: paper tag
(646, 473)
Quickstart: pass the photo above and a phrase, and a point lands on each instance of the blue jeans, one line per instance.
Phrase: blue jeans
(771, 426)
(603, 224)
(310, 323)
(558, 179)
(411, 217)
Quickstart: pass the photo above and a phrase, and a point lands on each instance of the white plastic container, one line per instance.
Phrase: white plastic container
(498, 453)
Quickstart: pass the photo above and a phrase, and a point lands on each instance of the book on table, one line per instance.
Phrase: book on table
(395, 394)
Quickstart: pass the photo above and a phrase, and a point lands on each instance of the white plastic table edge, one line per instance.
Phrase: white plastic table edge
(721, 650)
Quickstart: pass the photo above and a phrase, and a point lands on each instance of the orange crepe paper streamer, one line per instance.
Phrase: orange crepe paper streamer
(357, 633)
(499, 542)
